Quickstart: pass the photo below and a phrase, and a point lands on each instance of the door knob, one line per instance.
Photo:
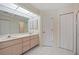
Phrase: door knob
(43, 32)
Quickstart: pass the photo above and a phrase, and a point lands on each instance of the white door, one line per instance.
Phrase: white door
(78, 33)
(47, 32)
(67, 31)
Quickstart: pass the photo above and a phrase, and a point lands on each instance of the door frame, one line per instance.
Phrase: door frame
(76, 30)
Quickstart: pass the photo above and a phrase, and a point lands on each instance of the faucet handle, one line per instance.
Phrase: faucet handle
(9, 36)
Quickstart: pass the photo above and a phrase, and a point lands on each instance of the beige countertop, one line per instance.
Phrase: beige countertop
(15, 36)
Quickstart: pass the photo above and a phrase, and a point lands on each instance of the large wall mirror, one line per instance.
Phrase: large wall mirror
(12, 24)
(15, 19)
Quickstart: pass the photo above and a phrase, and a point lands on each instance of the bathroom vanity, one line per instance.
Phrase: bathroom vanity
(18, 44)
(18, 31)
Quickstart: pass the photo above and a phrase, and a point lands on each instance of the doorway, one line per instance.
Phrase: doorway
(48, 32)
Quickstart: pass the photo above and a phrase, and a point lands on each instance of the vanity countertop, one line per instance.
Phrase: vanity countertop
(15, 36)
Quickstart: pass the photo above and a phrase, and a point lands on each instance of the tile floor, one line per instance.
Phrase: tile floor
(48, 51)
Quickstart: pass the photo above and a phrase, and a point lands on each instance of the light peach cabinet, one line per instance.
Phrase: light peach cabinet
(26, 44)
(30, 42)
(34, 40)
(11, 47)
(18, 46)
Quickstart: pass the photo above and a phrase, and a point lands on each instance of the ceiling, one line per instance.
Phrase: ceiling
(49, 6)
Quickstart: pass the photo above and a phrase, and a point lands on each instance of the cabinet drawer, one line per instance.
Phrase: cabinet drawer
(9, 43)
(12, 50)
(36, 36)
(25, 39)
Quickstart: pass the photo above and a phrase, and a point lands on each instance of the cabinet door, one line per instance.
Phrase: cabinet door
(9, 43)
(12, 50)
(26, 44)
(11, 47)
(67, 31)
(34, 41)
